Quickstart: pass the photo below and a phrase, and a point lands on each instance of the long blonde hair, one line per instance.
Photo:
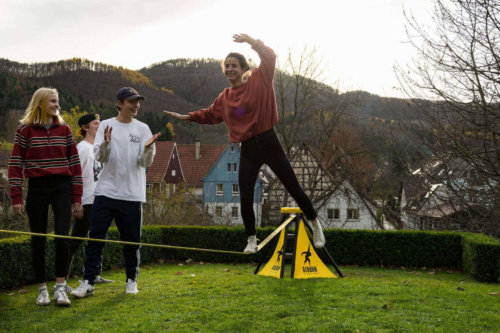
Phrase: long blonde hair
(35, 112)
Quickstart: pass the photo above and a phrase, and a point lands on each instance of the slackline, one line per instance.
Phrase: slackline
(259, 247)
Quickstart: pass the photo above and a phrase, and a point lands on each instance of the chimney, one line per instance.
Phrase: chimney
(197, 150)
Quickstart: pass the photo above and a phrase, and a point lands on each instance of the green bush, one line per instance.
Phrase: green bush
(481, 257)
(478, 255)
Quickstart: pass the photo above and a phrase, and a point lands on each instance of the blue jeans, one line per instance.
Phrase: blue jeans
(128, 219)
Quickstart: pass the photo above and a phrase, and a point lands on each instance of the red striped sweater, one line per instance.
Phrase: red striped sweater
(44, 152)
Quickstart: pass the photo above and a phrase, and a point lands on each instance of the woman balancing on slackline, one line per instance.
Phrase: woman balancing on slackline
(249, 110)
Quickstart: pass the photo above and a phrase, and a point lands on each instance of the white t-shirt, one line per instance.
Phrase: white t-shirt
(124, 160)
(90, 171)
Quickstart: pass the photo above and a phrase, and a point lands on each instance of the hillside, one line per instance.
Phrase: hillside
(369, 127)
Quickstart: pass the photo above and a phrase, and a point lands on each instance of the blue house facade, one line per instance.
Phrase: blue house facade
(221, 194)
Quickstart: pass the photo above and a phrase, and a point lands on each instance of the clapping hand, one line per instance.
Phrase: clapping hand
(107, 134)
(152, 140)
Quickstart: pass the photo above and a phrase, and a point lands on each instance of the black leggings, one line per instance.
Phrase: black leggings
(80, 229)
(42, 192)
(265, 148)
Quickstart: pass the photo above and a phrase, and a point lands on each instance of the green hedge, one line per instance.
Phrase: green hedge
(478, 255)
(481, 257)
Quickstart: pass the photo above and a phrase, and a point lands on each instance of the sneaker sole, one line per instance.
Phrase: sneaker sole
(63, 304)
(87, 294)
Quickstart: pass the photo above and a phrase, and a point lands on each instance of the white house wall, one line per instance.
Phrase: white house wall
(227, 219)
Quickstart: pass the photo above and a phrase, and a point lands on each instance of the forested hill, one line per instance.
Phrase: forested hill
(180, 85)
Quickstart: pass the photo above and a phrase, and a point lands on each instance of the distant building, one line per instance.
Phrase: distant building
(165, 173)
(337, 202)
(196, 160)
(221, 194)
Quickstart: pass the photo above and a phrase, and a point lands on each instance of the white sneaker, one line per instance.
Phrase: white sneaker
(100, 279)
(319, 237)
(83, 290)
(60, 296)
(252, 245)
(68, 289)
(131, 287)
(43, 297)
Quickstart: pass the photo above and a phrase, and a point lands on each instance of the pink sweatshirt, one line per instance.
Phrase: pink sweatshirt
(249, 109)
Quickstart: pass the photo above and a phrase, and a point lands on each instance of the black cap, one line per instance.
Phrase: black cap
(85, 120)
(127, 93)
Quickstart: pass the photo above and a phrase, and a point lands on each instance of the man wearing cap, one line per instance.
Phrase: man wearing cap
(89, 123)
(125, 147)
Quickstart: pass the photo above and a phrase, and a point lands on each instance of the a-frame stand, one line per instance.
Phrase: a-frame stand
(297, 249)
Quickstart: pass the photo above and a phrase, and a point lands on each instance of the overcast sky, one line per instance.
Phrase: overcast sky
(358, 40)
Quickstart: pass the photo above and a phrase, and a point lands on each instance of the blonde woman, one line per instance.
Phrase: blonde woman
(45, 152)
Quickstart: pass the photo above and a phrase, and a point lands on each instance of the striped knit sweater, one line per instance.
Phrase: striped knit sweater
(44, 152)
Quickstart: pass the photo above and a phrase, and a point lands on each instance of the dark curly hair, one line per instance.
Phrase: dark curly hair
(241, 60)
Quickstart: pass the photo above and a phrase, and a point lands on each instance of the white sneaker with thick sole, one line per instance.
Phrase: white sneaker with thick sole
(43, 297)
(251, 245)
(60, 296)
(100, 279)
(319, 237)
(68, 289)
(83, 290)
(131, 287)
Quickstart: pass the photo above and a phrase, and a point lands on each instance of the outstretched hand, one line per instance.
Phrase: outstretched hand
(177, 115)
(243, 38)
(152, 140)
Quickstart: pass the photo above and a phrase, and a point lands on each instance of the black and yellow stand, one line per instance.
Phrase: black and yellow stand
(306, 264)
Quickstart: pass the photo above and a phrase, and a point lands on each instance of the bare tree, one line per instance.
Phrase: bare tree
(458, 68)
(308, 110)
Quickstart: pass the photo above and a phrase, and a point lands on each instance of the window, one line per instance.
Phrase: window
(220, 189)
(235, 167)
(173, 156)
(353, 214)
(218, 211)
(333, 213)
(232, 149)
(236, 190)
(173, 172)
(229, 167)
(234, 211)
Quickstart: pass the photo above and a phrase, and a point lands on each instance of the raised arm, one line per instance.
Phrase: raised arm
(266, 55)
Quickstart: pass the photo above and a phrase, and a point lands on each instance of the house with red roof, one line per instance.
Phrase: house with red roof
(165, 173)
(196, 160)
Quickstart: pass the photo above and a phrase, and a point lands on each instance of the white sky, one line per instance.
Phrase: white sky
(358, 40)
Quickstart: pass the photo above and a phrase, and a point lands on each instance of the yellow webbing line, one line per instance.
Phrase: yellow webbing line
(261, 245)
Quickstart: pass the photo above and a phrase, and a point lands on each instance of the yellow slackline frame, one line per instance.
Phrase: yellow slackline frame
(259, 247)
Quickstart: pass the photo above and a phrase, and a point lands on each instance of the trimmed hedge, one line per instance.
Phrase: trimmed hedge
(481, 257)
(478, 255)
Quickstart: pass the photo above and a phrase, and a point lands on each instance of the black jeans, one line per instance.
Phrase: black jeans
(128, 219)
(42, 192)
(265, 148)
(80, 229)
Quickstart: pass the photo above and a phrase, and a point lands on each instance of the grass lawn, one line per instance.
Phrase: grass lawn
(229, 298)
